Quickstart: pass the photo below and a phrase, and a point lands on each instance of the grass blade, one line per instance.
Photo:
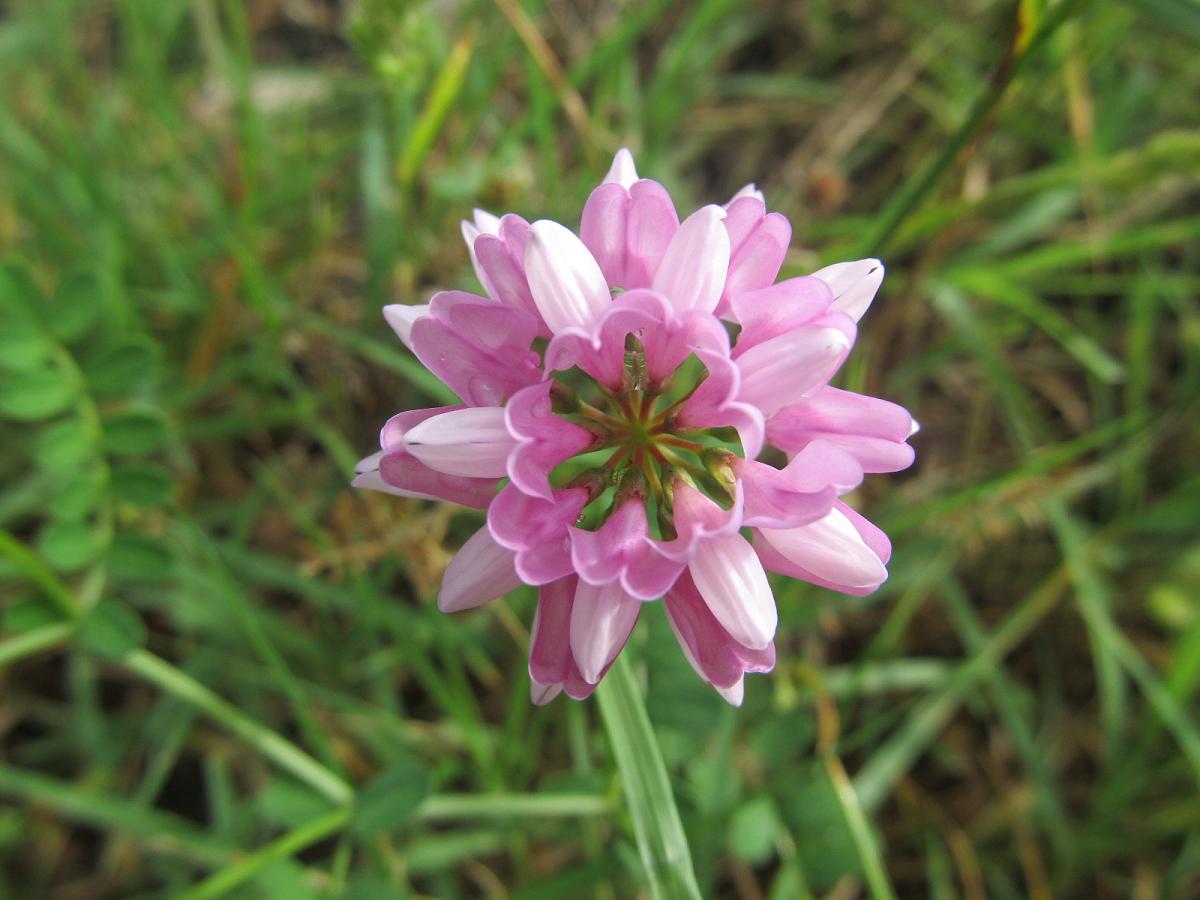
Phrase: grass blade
(663, 845)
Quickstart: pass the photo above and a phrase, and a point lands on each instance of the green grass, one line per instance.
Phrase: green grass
(222, 672)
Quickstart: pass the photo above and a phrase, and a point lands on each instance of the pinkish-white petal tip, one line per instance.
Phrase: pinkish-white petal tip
(485, 222)
(693, 269)
(735, 693)
(601, 619)
(567, 285)
(622, 171)
(914, 427)
(749, 190)
(853, 285)
(541, 694)
(832, 549)
(734, 585)
(777, 372)
(401, 317)
(473, 442)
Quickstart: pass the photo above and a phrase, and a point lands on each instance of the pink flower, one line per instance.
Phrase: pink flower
(626, 448)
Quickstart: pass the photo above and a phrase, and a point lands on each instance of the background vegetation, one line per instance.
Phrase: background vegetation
(208, 642)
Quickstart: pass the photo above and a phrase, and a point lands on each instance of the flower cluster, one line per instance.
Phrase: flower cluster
(646, 413)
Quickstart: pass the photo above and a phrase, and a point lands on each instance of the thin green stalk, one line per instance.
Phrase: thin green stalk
(507, 806)
(31, 642)
(286, 754)
(915, 190)
(656, 823)
(293, 842)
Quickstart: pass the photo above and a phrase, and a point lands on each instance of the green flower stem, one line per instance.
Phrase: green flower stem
(293, 842)
(287, 755)
(35, 641)
(656, 823)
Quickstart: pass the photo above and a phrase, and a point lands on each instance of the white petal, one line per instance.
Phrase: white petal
(732, 582)
(401, 317)
(566, 282)
(776, 372)
(474, 442)
(693, 269)
(481, 571)
(601, 619)
(622, 171)
(853, 284)
(832, 549)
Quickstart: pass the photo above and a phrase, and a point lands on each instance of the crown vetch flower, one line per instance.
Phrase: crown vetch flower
(646, 414)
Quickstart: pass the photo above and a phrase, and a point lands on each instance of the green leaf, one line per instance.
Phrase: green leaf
(392, 798)
(75, 307)
(753, 830)
(36, 395)
(123, 367)
(78, 493)
(138, 558)
(29, 613)
(62, 445)
(143, 485)
(111, 629)
(68, 546)
(23, 346)
(135, 432)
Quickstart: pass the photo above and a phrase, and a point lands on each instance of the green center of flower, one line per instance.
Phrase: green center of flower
(640, 450)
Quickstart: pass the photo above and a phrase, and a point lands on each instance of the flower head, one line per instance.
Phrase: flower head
(646, 414)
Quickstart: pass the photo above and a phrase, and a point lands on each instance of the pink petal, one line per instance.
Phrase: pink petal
(717, 403)
(622, 171)
(406, 476)
(874, 431)
(474, 442)
(567, 284)
(401, 317)
(537, 531)
(601, 620)
(730, 578)
(781, 369)
(853, 284)
(600, 351)
(830, 549)
(716, 657)
(550, 640)
(542, 439)
(693, 269)
(479, 348)
(622, 551)
(500, 259)
(758, 245)
(699, 520)
(802, 492)
(480, 572)
(652, 224)
(604, 227)
(772, 311)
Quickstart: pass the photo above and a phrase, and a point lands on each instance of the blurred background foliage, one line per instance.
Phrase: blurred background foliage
(209, 643)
